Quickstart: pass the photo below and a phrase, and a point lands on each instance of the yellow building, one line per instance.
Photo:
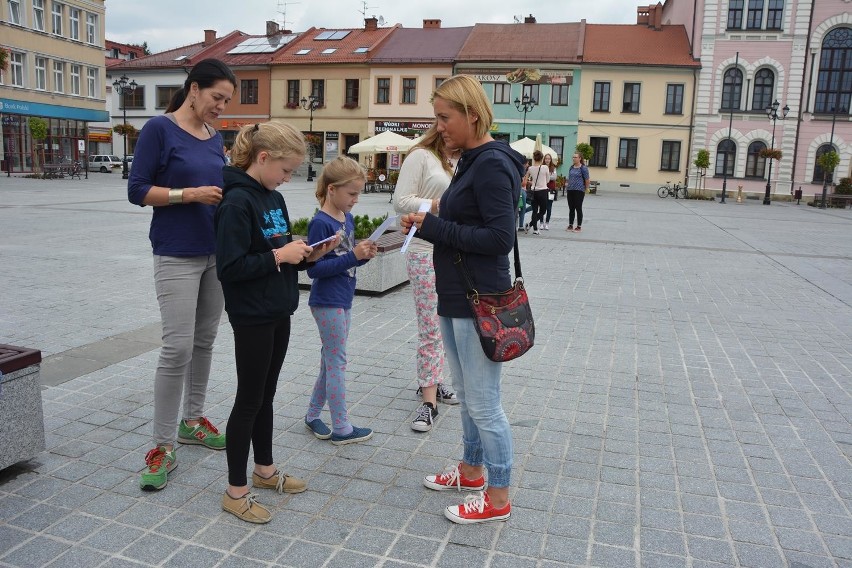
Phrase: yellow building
(636, 104)
(55, 71)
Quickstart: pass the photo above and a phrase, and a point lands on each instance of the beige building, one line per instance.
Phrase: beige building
(636, 104)
(55, 71)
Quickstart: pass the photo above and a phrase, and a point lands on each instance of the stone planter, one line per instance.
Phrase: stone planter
(384, 272)
(21, 414)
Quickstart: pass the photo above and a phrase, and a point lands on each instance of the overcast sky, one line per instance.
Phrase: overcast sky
(165, 24)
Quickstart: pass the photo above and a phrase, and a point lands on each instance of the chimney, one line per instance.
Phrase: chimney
(529, 19)
(272, 28)
(209, 37)
(658, 17)
(430, 24)
(371, 24)
(643, 14)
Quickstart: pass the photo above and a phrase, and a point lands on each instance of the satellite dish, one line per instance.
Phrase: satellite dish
(517, 19)
(381, 20)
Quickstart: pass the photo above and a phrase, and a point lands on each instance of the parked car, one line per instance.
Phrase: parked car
(129, 161)
(104, 163)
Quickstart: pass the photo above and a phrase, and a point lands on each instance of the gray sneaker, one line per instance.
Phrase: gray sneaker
(426, 414)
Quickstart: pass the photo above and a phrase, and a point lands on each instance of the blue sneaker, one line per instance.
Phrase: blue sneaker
(319, 428)
(357, 435)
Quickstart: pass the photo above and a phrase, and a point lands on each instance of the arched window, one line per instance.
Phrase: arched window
(834, 82)
(732, 88)
(764, 86)
(755, 165)
(818, 171)
(726, 152)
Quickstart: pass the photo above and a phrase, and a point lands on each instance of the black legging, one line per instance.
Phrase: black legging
(575, 203)
(259, 351)
(539, 207)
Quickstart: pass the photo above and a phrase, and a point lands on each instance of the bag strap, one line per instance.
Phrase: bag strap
(471, 290)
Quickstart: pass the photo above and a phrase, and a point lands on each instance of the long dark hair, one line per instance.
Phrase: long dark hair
(206, 73)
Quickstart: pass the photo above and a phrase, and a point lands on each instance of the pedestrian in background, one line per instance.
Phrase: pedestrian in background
(576, 188)
(257, 262)
(178, 170)
(424, 176)
(475, 225)
(538, 174)
(551, 189)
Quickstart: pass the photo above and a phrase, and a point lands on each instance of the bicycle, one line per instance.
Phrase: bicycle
(673, 190)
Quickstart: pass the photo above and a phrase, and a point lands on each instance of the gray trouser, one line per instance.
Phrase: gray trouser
(191, 303)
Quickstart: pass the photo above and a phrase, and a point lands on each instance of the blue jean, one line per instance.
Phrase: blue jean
(486, 433)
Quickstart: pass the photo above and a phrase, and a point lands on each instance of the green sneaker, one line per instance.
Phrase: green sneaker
(160, 462)
(203, 433)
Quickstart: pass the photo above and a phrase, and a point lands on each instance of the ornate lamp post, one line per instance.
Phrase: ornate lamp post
(310, 103)
(772, 113)
(524, 105)
(122, 86)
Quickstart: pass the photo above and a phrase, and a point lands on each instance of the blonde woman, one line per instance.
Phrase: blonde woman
(424, 176)
(257, 262)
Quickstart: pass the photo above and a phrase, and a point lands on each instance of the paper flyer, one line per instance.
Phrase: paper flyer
(424, 207)
(382, 228)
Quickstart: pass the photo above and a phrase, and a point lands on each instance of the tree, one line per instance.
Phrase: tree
(38, 131)
(585, 150)
(702, 162)
(828, 162)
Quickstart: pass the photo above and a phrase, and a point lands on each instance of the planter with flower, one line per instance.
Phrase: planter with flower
(770, 153)
(292, 105)
(350, 105)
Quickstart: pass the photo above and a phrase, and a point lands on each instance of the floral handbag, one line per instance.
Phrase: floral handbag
(503, 320)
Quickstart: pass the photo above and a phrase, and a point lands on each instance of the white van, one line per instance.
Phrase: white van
(104, 163)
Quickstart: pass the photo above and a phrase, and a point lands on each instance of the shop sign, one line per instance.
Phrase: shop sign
(401, 127)
(525, 75)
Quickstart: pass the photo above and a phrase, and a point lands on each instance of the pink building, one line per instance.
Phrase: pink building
(754, 53)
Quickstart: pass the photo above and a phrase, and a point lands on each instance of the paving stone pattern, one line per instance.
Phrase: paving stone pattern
(687, 403)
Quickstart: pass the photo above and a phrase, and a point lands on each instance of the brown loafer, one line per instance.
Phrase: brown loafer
(279, 481)
(246, 508)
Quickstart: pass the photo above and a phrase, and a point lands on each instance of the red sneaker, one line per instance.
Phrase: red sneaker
(477, 509)
(453, 479)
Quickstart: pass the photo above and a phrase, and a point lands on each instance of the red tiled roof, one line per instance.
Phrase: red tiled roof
(414, 45)
(162, 59)
(344, 48)
(560, 43)
(220, 49)
(606, 43)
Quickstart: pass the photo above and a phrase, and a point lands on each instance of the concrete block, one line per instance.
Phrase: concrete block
(21, 413)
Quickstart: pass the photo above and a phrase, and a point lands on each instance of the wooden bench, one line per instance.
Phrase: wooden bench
(52, 171)
(833, 200)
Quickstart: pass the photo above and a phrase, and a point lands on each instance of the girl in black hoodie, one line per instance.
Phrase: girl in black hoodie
(257, 262)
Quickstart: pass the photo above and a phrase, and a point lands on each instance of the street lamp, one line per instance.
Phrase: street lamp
(772, 114)
(122, 87)
(310, 103)
(524, 105)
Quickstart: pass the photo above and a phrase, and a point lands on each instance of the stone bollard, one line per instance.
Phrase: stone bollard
(21, 414)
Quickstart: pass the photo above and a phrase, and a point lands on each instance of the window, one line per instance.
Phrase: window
(40, 73)
(755, 165)
(383, 91)
(732, 87)
(328, 51)
(631, 97)
(38, 15)
(820, 175)
(74, 23)
(14, 12)
(599, 146)
(764, 86)
(735, 14)
(352, 95)
(755, 15)
(133, 99)
(558, 144)
(438, 81)
(409, 91)
(674, 99)
(318, 91)
(59, 76)
(601, 100)
(92, 28)
(248, 91)
(293, 93)
(670, 157)
(16, 62)
(627, 150)
(165, 94)
(75, 79)
(531, 91)
(57, 18)
(775, 14)
(303, 51)
(361, 50)
(725, 154)
(559, 95)
(502, 93)
(834, 82)
(92, 82)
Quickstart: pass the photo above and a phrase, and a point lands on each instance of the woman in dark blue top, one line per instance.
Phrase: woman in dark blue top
(177, 169)
(476, 219)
